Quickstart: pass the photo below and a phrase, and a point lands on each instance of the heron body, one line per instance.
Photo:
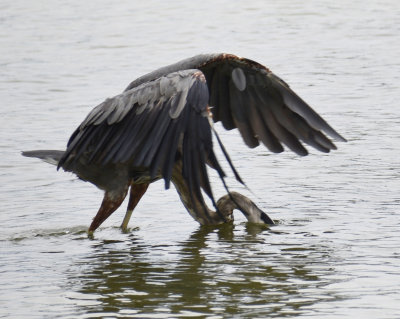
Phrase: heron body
(160, 127)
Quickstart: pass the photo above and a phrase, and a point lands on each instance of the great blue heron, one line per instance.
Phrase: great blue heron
(161, 127)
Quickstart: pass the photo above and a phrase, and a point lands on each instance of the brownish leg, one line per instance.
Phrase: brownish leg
(111, 201)
(136, 193)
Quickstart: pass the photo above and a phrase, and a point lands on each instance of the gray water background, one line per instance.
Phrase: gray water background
(334, 252)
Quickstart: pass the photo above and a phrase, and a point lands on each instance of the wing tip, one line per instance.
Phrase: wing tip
(332, 133)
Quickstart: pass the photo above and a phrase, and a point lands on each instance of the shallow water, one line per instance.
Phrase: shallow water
(334, 252)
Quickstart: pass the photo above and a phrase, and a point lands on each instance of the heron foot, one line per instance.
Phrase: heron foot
(124, 225)
(90, 234)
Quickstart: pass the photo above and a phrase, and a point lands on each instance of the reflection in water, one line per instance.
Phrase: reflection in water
(215, 271)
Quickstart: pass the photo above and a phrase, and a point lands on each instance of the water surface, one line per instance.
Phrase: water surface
(334, 252)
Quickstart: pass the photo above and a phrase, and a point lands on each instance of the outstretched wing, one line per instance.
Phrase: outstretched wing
(246, 95)
(250, 97)
(149, 127)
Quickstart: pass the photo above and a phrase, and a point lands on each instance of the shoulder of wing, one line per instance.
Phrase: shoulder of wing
(173, 87)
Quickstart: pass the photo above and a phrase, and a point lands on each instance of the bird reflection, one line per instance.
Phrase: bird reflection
(216, 270)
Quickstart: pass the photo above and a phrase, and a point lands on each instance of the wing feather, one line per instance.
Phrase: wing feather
(220, 99)
(236, 83)
(261, 130)
(148, 128)
(285, 114)
(240, 110)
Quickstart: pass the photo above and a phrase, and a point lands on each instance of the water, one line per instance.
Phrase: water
(334, 252)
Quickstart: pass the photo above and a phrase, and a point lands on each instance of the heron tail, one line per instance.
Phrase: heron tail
(48, 156)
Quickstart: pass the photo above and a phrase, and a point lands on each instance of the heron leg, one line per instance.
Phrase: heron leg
(136, 193)
(111, 201)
